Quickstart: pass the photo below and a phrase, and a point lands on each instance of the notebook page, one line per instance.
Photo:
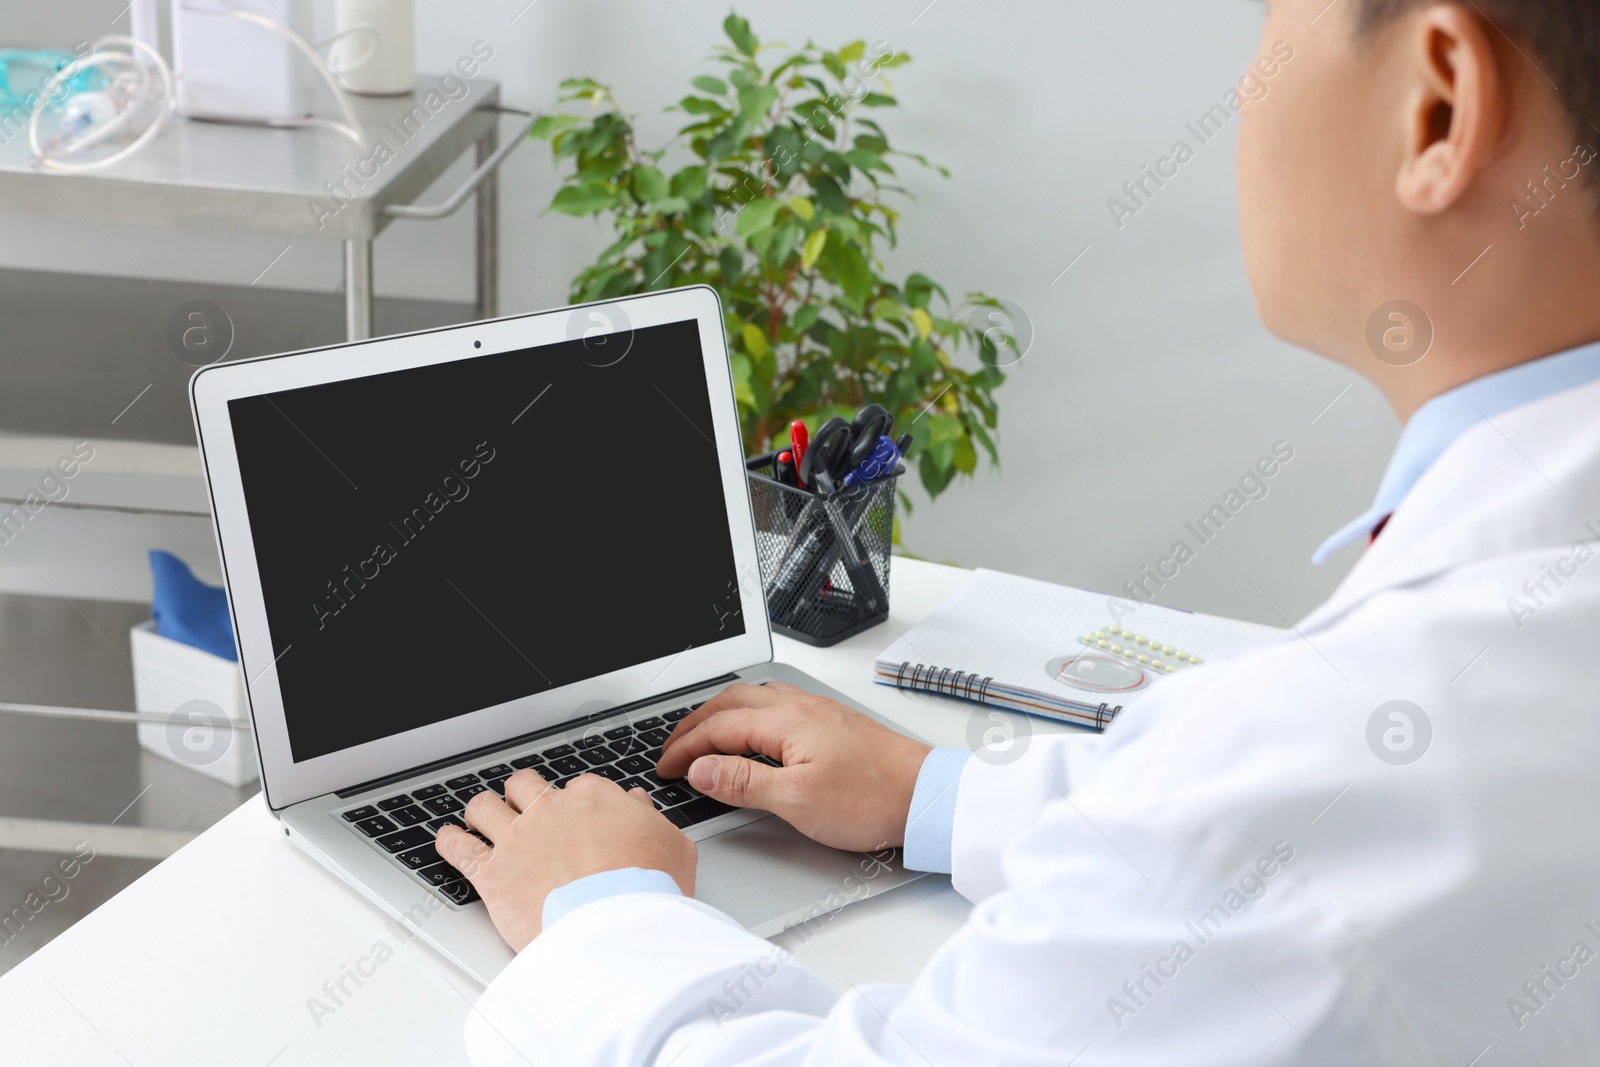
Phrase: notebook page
(1011, 627)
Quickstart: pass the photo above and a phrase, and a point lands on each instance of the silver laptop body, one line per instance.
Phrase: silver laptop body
(526, 542)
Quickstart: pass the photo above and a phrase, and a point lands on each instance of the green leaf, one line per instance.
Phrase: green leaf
(935, 478)
(803, 207)
(758, 217)
(547, 126)
(879, 100)
(707, 84)
(689, 183)
(755, 342)
(806, 317)
(852, 51)
(853, 274)
(582, 200)
(649, 184)
(755, 101)
(865, 160)
(731, 264)
(738, 31)
(699, 105)
(965, 459)
(809, 253)
(830, 197)
(886, 308)
(672, 205)
(919, 288)
(923, 322)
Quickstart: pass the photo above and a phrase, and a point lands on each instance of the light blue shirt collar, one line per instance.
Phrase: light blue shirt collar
(1446, 417)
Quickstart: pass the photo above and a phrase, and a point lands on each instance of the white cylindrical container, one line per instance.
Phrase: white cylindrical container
(376, 52)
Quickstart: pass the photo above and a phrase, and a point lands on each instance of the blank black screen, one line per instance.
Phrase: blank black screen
(443, 539)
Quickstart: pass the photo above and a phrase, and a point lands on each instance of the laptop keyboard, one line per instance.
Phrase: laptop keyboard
(403, 826)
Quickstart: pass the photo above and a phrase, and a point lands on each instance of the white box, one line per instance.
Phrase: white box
(168, 676)
(228, 68)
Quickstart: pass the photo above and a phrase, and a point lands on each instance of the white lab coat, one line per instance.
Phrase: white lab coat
(1229, 875)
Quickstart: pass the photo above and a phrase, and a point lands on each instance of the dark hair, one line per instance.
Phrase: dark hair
(1561, 38)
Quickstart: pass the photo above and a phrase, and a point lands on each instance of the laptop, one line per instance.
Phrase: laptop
(522, 543)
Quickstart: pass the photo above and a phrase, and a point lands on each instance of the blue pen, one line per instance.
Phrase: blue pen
(882, 460)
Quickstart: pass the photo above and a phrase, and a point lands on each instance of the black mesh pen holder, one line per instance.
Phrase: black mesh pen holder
(824, 559)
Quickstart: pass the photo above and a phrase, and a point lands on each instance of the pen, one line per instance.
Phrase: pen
(799, 441)
(882, 460)
(784, 468)
(904, 444)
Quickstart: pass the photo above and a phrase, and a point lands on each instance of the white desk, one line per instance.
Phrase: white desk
(211, 958)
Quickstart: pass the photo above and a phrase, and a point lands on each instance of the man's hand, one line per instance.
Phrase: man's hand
(546, 837)
(846, 780)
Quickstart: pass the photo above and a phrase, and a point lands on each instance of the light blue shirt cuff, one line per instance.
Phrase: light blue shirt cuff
(576, 894)
(931, 823)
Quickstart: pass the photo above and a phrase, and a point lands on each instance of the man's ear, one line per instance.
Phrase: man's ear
(1455, 112)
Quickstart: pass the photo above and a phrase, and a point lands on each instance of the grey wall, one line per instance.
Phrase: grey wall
(1149, 389)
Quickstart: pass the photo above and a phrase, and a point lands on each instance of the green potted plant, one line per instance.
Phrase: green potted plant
(776, 193)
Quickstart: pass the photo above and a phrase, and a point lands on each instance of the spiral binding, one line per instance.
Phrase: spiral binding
(966, 685)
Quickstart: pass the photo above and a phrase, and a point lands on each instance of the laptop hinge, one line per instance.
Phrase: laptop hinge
(485, 750)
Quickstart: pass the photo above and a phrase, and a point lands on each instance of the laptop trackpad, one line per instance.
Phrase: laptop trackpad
(768, 876)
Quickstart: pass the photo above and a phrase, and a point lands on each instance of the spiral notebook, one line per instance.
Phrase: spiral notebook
(1050, 650)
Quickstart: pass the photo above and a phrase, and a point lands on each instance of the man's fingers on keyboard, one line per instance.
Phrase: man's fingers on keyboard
(524, 789)
(463, 851)
(734, 731)
(738, 695)
(489, 815)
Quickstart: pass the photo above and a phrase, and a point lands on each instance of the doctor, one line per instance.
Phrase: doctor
(1375, 842)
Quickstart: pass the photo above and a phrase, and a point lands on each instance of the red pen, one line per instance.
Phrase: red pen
(784, 467)
(799, 441)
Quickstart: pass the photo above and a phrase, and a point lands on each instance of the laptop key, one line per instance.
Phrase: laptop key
(471, 791)
(498, 785)
(560, 783)
(568, 766)
(654, 738)
(394, 802)
(460, 892)
(547, 772)
(358, 814)
(499, 770)
(635, 764)
(616, 733)
(420, 857)
(559, 751)
(696, 811)
(670, 796)
(443, 805)
(630, 746)
(652, 723)
(609, 771)
(635, 783)
(453, 820)
(462, 782)
(409, 816)
(596, 757)
(681, 713)
(404, 839)
(532, 759)
(440, 874)
(428, 792)
(590, 741)
(376, 826)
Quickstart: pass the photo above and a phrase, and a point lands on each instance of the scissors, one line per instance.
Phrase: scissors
(840, 447)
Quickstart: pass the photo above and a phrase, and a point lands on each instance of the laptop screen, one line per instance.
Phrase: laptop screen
(447, 538)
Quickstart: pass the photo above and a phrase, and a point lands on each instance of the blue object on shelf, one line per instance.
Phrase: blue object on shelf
(187, 609)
